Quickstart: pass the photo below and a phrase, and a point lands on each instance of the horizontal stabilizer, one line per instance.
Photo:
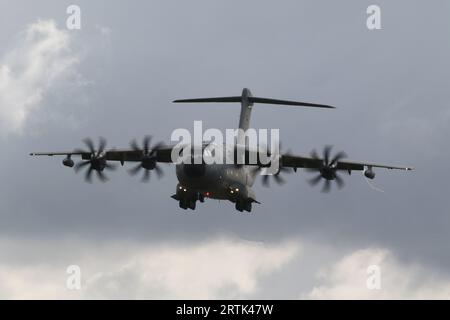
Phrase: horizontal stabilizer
(218, 99)
(252, 100)
(288, 103)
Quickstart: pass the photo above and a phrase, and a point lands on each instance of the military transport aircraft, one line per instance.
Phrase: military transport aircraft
(198, 180)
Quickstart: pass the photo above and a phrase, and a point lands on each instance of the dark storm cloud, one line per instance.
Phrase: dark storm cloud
(390, 87)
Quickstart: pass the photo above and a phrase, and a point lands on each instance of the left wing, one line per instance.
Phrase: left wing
(96, 159)
(162, 154)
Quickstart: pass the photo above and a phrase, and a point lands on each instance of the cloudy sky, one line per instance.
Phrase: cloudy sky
(116, 77)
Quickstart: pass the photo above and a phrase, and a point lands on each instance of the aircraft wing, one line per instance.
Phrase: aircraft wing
(303, 161)
(163, 154)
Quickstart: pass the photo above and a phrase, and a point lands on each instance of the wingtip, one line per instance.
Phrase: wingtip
(325, 106)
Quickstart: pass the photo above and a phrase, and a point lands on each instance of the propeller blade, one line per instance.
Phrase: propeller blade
(89, 144)
(279, 179)
(101, 146)
(156, 147)
(110, 166)
(339, 181)
(146, 176)
(134, 145)
(146, 143)
(314, 181)
(337, 157)
(326, 186)
(81, 164)
(159, 171)
(326, 154)
(133, 171)
(88, 175)
(101, 176)
(314, 154)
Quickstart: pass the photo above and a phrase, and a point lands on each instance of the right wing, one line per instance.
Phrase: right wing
(302, 161)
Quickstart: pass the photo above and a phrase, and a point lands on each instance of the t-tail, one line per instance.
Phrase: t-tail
(247, 100)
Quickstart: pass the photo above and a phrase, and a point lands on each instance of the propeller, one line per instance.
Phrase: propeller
(96, 162)
(276, 176)
(327, 170)
(148, 161)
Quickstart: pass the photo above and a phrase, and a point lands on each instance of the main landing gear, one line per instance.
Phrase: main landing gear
(186, 203)
(186, 199)
(244, 205)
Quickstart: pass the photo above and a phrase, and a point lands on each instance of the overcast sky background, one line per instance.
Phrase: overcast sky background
(117, 76)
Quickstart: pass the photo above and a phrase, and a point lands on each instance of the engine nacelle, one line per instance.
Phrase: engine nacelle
(369, 173)
(149, 163)
(68, 162)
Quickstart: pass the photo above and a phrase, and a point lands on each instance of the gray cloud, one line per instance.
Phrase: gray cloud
(40, 61)
(346, 279)
(223, 267)
(215, 268)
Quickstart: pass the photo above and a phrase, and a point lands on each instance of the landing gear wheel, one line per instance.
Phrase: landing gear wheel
(183, 204)
(239, 206)
(243, 205)
(192, 204)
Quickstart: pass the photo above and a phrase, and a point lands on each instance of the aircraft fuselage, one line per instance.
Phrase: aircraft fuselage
(215, 181)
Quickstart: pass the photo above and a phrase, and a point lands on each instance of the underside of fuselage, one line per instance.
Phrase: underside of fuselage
(197, 182)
